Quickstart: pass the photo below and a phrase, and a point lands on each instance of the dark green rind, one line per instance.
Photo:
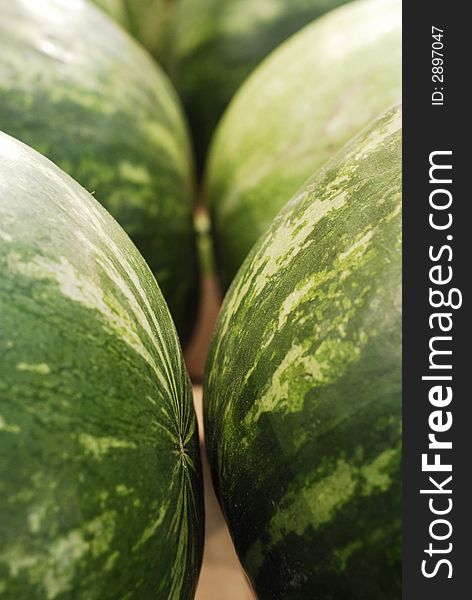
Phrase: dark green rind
(75, 87)
(307, 100)
(100, 476)
(302, 396)
(217, 43)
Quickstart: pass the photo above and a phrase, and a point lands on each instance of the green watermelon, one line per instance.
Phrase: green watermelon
(217, 43)
(100, 476)
(302, 395)
(75, 87)
(149, 21)
(303, 104)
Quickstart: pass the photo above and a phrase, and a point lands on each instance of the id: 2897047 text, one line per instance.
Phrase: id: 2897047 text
(437, 66)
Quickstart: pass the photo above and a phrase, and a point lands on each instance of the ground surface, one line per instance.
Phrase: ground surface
(221, 577)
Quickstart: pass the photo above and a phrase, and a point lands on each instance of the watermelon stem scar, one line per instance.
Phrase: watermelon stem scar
(182, 452)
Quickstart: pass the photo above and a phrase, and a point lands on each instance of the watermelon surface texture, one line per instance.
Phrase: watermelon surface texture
(302, 105)
(77, 88)
(217, 43)
(302, 395)
(100, 476)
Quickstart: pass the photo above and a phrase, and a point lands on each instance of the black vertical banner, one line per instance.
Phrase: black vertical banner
(437, 435)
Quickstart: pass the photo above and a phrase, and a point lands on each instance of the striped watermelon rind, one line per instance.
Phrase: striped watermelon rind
(306, 101)
(78, 89)
(302, 395)
(100, 475)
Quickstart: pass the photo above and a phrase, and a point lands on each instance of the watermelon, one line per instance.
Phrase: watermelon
(302, 396)
(304, 103)
(100, 476)
(217, 43)
(77, 88)
(149, 21)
